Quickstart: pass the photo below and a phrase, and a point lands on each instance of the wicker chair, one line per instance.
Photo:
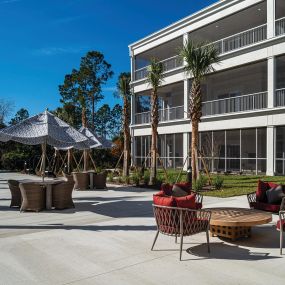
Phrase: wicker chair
(16, 198)
(62, 195)
(81, 180)
(68, 177)
(281, 228)
(173, 221)
(99, 180)
(33, 197)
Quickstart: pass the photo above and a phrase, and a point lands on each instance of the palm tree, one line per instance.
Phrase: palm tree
(199, 60)
(154, 78)
(124, 91)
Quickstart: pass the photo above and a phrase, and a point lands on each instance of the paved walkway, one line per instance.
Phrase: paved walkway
(106, 239)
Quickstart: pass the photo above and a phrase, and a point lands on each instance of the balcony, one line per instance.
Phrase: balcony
(243, 103)
(167, 65)
(223, 46)
(280, 97)
(168, 114)
(280, 26)
(242, 39)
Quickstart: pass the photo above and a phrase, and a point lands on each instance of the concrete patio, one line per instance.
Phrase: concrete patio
(106, 239)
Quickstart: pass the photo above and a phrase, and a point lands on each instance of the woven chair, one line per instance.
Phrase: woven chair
(181, 222)
(281, 228)
(62, 195)
(34, 197)
(68, 177)
(81, 180)
(16, 198)
(99, 180)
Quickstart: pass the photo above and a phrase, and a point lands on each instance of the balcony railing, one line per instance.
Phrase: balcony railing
(235, 104)
(280, 97)
(280, 26)
(242, 39)
(168, 114)
(225, 45)
(167, 65)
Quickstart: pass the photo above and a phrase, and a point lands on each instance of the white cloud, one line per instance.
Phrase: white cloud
(9, 1)
(49, 51)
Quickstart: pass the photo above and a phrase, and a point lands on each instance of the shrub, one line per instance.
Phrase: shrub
(14, 160)
(218, 182)
(126, 179)
(146, 177)
(200, 183)
(136, 179)
(111, 177)
(120, 180)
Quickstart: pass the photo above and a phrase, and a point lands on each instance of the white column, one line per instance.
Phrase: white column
(270, 150)
(270, 18)
(133, 108)
(133, 147)
(185, 150)
(271, 79)
(186, 97)
(132, 59)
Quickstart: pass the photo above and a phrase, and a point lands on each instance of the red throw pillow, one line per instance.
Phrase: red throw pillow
(185, 186)
(167, 189)
(186, 201)
(272, 185)
(161, 200)
(261, 191)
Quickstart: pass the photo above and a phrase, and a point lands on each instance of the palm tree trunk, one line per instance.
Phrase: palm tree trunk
(195, 108)
(126, 164)
(154, 135)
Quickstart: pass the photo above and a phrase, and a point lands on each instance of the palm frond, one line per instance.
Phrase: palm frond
(155, 73)
(199, 58)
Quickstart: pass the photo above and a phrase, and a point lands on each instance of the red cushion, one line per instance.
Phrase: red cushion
(261, 191)
(186, 201)
(279, 223)
(161, 200)
(265, 207)
(185, 186)
(272, 185)
(167, 189)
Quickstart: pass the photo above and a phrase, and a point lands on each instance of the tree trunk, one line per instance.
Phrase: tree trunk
(195, 108)
(93, 112)
(126, 164)
(86, 151)
(154, 135)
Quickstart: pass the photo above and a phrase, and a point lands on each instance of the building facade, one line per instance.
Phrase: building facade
(243, 123)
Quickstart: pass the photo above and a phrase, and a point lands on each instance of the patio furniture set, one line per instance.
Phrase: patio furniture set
(179, 212)
(37, 195)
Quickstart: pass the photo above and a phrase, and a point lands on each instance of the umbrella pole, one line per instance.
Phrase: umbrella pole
(69, 156)
(86, 159)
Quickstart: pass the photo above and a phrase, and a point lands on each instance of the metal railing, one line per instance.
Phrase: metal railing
(280, 97)
(242, 39)
(280, 26)
(242, 103)
(225, 45)
(167, 114)
(167, 65)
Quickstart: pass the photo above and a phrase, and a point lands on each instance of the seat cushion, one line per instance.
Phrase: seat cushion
(262, 187)
(162, 200)
(167, 189)
(185, 186)
(265, 207)
(275, 195)
(178, 191)
(186, 201)
(280, 223)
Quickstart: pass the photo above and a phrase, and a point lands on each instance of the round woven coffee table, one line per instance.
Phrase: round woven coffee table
(235, 223)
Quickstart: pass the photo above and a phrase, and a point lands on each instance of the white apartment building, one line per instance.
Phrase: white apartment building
(243, 123)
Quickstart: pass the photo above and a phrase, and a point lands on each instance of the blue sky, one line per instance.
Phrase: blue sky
(42, 40)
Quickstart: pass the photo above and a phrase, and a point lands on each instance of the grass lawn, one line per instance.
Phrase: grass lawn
(234, 185)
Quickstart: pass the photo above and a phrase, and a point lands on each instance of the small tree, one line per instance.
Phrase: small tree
(199, 60)
(20, 116)
(124, 91)
(154, 78)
